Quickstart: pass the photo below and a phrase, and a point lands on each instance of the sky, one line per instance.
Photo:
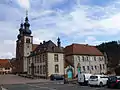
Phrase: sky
(74, 21)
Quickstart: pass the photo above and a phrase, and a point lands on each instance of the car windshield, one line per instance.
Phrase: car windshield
(118, 78)
(93, 77)
(112, 78)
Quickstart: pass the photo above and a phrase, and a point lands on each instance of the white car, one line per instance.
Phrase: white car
(98, 80)
(83, 78)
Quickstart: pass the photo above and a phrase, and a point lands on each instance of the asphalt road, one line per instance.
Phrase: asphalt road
(50, 86)
(12, 82)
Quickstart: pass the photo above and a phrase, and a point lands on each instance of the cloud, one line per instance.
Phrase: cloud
(24, 3)
(70, 20)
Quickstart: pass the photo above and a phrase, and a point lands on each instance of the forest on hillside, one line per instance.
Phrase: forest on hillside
(112, 49)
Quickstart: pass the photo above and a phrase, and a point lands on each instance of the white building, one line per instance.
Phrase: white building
(46, 59)
(5, 66)
(89, 59)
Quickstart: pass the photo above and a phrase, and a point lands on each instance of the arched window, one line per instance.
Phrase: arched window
(27, 40)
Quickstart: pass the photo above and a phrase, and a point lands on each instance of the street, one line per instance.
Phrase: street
(14, 82)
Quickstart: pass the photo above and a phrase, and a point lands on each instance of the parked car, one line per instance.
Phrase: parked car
(83, 78)
(98, 80)
(56, 77)
(113, 82)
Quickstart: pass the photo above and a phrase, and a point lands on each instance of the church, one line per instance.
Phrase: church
(40, 60)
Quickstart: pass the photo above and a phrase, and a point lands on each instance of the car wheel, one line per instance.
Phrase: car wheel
(118, 85)
(101, 84)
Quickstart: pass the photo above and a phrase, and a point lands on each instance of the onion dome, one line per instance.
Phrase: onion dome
(21, 28)
(19, 36)
(27, 31)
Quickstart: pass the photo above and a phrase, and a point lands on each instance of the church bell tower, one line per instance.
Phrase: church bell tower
(24, 45)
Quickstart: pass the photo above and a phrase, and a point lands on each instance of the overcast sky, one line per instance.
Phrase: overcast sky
(74, 21)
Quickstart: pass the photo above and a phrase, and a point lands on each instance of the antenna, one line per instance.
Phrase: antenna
(26, 13)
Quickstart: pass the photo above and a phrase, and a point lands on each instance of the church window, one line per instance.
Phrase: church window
(27, 40)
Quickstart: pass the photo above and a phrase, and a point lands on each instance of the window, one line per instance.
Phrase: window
(35, 59)
(35, 69)
(87, 58)
(83, 58)
(95, 58)
(7, 68)
(92, 68)
(96, 67)
(40, 58)
(100, 67)
(27, 40)
(88, 68)
(93, 77)
(103, 66)
(29, 60)
(104, 77)
(79, 58)
(27, 53)
(56, 68)
(28, 46)
(100, 58)
(44, 69)
(56, 57)
(40, 69)
(83, 68)
(43, 58)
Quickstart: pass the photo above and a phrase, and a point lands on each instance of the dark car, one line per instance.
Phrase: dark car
(56, 77)
(113, 82)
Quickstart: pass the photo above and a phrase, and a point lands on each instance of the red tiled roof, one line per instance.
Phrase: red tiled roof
(34, 46)
(5, 63)
(81, 49)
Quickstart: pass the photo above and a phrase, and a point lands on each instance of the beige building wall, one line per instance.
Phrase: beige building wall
(52, 63)
(6, 70)
(27, 51)
(90, 61)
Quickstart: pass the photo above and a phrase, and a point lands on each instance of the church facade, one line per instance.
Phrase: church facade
(40, 60)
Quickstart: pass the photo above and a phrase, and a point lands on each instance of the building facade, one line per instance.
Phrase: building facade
(88, 58)
(5, 66)
(46, 59)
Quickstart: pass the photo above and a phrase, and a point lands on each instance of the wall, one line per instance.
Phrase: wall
(6, 70)
(89, 61)
(51, 63)
(27, 51)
